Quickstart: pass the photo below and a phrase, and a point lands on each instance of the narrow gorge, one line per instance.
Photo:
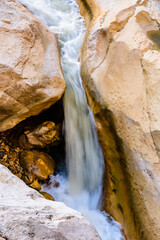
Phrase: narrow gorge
(81, 189)
(79, 114)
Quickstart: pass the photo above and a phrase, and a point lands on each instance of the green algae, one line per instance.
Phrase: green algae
(154, 36)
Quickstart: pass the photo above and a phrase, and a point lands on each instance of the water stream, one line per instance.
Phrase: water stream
(81, 187)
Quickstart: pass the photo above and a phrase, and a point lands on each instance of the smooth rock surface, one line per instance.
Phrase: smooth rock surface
(25, 214)
(31, 78)
(39, 164)
(121, 73)
(47, 196)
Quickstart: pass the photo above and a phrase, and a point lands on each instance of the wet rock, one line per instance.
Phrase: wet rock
(37, 164)
(47, 196)
(9, 157)
(44, 135)
(11, 148)
(35, 184)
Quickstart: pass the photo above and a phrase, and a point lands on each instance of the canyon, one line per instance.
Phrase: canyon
(120, 69)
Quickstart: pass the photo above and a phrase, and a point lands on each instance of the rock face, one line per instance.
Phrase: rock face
(120, 66)
(31, 79)
(26, 214)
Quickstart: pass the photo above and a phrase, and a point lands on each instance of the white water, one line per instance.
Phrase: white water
(82, 187)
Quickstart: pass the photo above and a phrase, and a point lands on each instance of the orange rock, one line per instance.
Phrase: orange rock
(39, 164)
(36, 185)
(19, 175)
(48, 133)
(47, 196)
(31, 78)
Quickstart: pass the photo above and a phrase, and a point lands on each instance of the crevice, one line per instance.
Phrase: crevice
(88, 8)
(114, 159)
(13, 145)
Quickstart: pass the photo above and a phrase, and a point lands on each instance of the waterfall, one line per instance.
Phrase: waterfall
(82, 187)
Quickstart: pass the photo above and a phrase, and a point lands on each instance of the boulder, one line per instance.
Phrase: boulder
(31, 78)
(47, 133)
(29, 165)
(120, 71)
(37, 164)
(26, 214)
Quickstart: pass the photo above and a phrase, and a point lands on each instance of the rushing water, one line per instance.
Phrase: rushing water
(81, 188)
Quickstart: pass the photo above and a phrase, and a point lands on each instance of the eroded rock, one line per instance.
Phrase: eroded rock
(37, 164)
(29, 165)
(48, 133)
(122, 87)
(31, 79)
(26, 212)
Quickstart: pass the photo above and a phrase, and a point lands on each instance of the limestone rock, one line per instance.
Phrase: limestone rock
(26, 214)
(31, 79)
(45, 134)
(39, 164)
(120, 71)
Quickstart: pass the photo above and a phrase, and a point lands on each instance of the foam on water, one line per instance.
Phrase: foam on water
(82, 187)
(107, 228)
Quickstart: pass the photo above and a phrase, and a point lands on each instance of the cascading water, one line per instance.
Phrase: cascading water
(82, 187)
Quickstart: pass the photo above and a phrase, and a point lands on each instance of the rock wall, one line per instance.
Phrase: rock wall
(120, 62)
(31, 79)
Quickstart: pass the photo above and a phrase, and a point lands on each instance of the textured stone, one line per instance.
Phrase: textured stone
(39, 164)
(48, 133)
(9, 156)
(26, 214)
(120, 71)
(31, 79)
